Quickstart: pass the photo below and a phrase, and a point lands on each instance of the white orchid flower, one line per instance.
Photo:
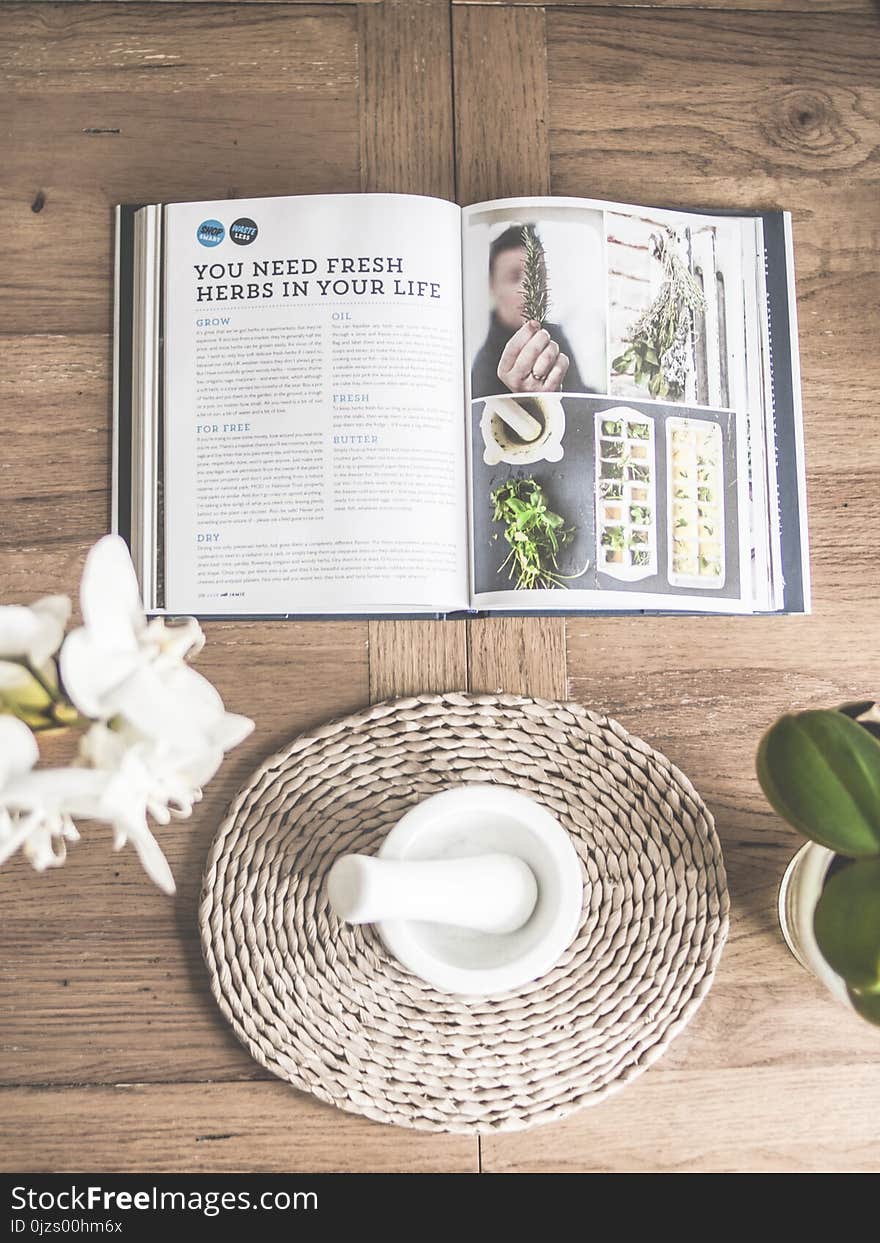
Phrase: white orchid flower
(120, 665)
(34, 633)
(37, 806)
(31, 815)
(152, 776)
(160, 730)
(29, 637)
(169, 777)
(131, 792)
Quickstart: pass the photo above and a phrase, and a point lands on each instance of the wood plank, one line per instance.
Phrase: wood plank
(104, 104)
(47, 495)
(495, 158)
(406, 71)
(749, 1084)
(303, 3)
(807, 6)
(767, 103)
(757, 1119)
(186, 1128)
(518, 656)
(769, 6)
(49, 48)
(416, 657)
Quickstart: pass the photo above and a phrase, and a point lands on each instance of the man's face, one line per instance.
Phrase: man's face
(505, 285)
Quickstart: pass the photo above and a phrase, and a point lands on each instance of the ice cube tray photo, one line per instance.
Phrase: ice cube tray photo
(695, 503)
(626, 527)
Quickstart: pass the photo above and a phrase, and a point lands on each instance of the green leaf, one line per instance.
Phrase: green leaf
(847, 924)
(821, 772)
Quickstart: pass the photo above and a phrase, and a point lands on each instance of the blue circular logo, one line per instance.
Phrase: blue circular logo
(210, 233)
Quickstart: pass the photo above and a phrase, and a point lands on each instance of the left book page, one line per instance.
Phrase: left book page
(314, 454)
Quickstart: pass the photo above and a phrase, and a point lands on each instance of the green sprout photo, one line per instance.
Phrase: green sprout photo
(535, 535)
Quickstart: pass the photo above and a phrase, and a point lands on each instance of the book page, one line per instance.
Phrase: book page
(617, 421)
(314, 450)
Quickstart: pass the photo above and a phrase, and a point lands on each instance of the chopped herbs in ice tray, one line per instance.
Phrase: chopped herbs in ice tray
(626, 511)
(696, 503)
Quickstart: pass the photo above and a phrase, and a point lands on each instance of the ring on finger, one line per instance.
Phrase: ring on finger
(540, 378)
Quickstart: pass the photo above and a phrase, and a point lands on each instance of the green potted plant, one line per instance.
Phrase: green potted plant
(820, 770)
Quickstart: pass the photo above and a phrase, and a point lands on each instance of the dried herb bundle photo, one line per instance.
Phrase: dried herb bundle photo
(656, 357)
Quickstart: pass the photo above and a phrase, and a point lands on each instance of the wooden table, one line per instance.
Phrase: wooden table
(114, 1056)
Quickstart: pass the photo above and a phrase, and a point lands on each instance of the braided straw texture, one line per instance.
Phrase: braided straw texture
(323, 1006)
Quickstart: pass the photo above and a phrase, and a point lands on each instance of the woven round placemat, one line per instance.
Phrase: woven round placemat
(324, 1006)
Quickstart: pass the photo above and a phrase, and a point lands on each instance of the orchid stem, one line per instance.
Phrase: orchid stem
(64, 714)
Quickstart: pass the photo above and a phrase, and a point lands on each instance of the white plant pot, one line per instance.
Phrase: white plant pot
(799, 893)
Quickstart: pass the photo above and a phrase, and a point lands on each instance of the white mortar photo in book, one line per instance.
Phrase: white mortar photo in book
(386, 404)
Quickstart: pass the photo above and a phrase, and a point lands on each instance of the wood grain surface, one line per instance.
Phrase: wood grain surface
(771, 6)
(407, 147)
(829, 6)
(114, 1053)
(230, 1127)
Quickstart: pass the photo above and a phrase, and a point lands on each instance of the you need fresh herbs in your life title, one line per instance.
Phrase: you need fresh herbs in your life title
(334, 277)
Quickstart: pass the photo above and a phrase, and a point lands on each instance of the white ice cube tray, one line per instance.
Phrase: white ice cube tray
(695, 503)
(626, 494)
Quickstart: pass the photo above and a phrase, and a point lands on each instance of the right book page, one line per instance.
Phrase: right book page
(621, 443)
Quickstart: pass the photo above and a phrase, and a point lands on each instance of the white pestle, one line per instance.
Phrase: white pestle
(493, 893)
(519, 420)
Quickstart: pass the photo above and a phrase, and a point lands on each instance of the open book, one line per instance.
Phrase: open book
(388, 404)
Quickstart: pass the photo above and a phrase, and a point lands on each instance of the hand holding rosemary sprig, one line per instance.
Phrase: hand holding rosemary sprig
(535, 535)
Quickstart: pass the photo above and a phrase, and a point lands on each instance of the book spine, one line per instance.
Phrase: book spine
(123, 292)
(786, 410)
